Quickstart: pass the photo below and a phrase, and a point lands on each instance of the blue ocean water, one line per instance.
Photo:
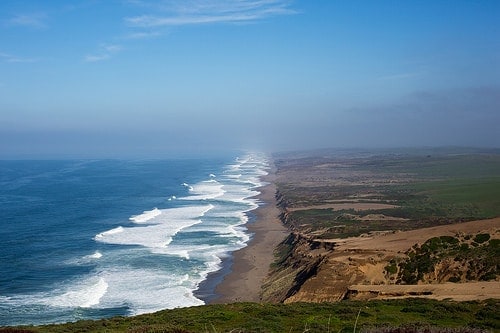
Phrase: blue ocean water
(92, 239)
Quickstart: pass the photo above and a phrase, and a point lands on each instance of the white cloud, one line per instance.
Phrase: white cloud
(175, 13)
(96, 58)
(112, 48)
(106, 52)
(5, 57)
(143, 35)
(32, 20)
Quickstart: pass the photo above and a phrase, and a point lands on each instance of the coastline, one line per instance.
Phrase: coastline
(245, 270)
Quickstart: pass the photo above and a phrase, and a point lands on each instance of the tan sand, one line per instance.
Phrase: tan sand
(251, 264)
(402, 241)
(470, 291)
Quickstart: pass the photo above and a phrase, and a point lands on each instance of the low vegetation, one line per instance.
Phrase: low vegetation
(412, 315)
(449, 259)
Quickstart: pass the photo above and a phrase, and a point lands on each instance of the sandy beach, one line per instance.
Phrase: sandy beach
(251, 264)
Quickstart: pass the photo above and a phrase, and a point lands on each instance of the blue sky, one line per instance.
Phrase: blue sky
(112, 78)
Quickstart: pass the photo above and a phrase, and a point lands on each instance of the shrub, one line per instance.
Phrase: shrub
(488, 276)
(481, 238)
(392, 268)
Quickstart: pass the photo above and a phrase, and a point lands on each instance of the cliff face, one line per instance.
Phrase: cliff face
(308, 269)
(357, 219)
(299, 260)
(312, 270)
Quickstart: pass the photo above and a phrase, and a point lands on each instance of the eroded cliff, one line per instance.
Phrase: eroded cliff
(359, 223)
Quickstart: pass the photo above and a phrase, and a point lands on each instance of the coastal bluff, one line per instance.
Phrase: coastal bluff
(381, 225)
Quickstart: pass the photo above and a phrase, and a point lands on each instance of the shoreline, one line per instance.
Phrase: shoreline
(240, 279)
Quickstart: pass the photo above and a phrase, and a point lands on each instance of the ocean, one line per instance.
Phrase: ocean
(87, 239)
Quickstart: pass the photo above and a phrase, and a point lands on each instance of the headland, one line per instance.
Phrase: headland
(339, 225)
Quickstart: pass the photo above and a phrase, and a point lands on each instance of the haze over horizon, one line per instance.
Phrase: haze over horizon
(156, 78)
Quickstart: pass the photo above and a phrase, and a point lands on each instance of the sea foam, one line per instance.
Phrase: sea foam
(205, 190)
(231, 197)
(157, 258)
(161, 228)
(146, 216)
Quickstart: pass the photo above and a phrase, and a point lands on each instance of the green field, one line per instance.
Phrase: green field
(428, 187)
(480, 196)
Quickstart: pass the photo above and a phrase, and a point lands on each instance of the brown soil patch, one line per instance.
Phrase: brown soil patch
(357, 206)
(380, 217)
(457, 291)
(402, 241)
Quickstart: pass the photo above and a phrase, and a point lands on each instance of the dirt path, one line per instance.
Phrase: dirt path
(457, 291)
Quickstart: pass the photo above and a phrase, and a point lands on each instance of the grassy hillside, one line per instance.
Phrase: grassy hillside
(298, 317)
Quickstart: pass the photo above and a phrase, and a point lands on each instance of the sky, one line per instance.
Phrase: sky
(158, 78)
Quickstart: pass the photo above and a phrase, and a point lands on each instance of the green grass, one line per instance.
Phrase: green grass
(446, 201)
(435, 166)
(482, 194)
(299, 317)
